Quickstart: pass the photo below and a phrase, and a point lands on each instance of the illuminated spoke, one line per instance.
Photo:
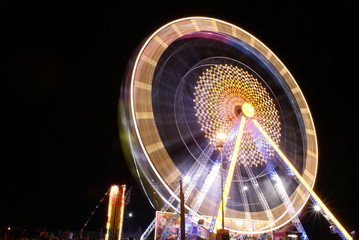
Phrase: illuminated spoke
(205, 187)
(242, 190)
(231, 168)
(260, 195)
(196, 171)
(278, 185)
(309, 189)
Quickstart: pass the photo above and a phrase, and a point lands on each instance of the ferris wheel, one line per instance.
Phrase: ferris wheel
(208, 104)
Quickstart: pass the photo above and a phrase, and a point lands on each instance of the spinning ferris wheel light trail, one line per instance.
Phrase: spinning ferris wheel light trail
(196, 77)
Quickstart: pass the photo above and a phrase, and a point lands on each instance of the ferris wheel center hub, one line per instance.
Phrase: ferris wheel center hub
(248, 110)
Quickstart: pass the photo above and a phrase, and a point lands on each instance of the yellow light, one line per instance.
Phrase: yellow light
(114, 190)
(221, 139)
(231, 168)
(221, 136)
(248, 110)
(317, 208)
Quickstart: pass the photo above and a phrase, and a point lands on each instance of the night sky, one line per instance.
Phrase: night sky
(61, 73)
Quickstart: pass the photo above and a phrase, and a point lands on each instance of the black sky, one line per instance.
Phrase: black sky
(62, 67)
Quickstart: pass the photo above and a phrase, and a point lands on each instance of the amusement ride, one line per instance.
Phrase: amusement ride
(210, 111)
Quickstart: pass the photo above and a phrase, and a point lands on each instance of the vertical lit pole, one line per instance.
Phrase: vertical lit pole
(222, 195)
(183, 229)
(221, 138)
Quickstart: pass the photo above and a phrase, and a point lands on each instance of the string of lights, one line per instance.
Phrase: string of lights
(93, 212)
(127, 201)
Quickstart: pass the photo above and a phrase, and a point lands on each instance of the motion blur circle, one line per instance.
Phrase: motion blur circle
(197, 77)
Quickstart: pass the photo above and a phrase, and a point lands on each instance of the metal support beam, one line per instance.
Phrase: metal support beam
(343, 233)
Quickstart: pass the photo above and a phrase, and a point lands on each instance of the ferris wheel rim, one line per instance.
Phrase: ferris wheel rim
(252, 41)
